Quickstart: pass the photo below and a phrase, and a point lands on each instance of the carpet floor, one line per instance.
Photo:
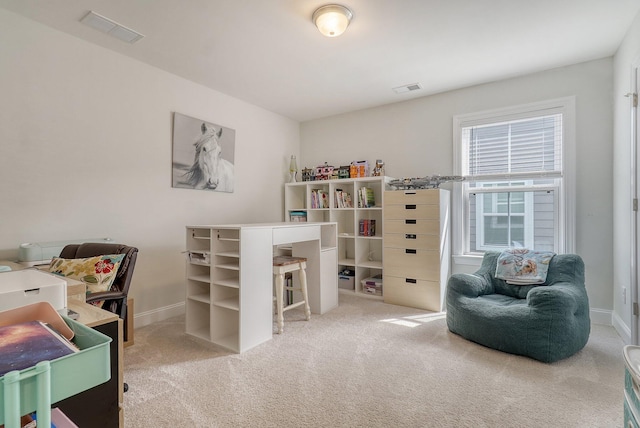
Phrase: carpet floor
(366, 364)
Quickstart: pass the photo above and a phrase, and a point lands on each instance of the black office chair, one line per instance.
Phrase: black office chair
(115, 300)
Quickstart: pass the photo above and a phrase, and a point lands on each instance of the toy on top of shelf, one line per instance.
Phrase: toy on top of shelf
(378, 170)
(432, 182)
(307, 174)
(324, 172)
(343, 171)
(359, 169)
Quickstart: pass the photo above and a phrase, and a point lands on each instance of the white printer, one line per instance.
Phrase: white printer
(40, 253)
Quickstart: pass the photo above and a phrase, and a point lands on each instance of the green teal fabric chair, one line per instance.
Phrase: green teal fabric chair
(546, 322)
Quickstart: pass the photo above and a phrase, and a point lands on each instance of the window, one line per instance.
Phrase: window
(518, 165)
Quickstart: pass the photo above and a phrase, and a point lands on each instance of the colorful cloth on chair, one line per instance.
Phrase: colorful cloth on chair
(521, 266)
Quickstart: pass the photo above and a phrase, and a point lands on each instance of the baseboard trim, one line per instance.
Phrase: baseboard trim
(149, 317)
(623, 330)
(600, 316)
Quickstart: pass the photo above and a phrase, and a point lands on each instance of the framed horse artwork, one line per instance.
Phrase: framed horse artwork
(203, 155)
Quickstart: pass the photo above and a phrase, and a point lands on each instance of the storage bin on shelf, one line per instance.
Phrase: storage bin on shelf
(346, 280)
(67, 376)
(372, 285)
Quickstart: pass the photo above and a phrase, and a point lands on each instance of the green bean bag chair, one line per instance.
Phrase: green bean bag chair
(546, 322)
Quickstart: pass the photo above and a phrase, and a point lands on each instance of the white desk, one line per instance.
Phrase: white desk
(229, 296)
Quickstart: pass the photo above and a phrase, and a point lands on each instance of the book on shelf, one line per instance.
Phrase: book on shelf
(342, 199)
(367, 227)
(325, 199)
(366, 197)
(319, 198)
(23, 345)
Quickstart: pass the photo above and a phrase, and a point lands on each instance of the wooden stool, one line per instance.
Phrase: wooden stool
(282, 265)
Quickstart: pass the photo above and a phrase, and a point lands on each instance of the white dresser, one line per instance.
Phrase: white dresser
(416, 247)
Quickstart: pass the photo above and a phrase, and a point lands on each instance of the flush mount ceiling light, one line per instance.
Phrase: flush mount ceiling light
(332, 19)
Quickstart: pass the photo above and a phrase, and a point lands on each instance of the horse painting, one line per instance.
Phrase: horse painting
(209, 171)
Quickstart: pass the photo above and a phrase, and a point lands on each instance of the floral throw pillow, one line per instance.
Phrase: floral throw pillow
(98, 272)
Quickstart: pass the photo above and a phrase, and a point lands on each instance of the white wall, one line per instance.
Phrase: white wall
(85, 151)
(628, 53)
(414, 138)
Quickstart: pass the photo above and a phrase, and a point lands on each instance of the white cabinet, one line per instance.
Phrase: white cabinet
(416, 248)
(360, 225)
(229, 292)
(223, 304)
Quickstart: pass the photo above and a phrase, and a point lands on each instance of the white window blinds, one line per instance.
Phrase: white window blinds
(529, 147)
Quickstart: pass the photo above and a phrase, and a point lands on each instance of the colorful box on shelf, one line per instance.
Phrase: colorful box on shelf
(298, 216)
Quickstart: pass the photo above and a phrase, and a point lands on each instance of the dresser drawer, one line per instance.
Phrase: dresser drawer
(412, 240)
(404, 211)
(412, 263)
(412, 226)
(416, 294)
(420, 196)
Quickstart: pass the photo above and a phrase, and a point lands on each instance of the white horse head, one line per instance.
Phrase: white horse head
(209, 170)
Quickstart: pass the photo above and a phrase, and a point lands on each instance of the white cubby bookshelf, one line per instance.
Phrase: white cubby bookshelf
(229, 274)
(361, 254)
(213, 285)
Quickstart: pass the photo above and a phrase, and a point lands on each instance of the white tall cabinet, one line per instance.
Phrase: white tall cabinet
(229, 292)
(361, 254)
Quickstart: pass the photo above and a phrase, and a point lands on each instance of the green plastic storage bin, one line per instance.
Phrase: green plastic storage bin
(69, 375)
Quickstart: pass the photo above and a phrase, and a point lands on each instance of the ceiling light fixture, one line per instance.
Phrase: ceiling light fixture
(332, 19)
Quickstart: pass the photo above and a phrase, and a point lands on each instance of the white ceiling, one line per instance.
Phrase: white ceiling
(268, 52)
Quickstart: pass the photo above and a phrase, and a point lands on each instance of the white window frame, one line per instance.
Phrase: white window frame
(481, 215)
(564, 194)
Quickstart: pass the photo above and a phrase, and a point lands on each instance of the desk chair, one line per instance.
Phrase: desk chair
(282, 265)
(115, 300)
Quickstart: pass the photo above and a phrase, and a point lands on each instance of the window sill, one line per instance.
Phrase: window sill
(468, 259)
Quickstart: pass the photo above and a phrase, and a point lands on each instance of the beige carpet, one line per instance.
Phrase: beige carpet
(366, 364)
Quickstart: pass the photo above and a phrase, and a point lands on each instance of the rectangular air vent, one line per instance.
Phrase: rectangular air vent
(106, 25)
(407, 88)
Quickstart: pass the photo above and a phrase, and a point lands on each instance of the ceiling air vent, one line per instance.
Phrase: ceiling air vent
(407, 88)
(105, 25)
